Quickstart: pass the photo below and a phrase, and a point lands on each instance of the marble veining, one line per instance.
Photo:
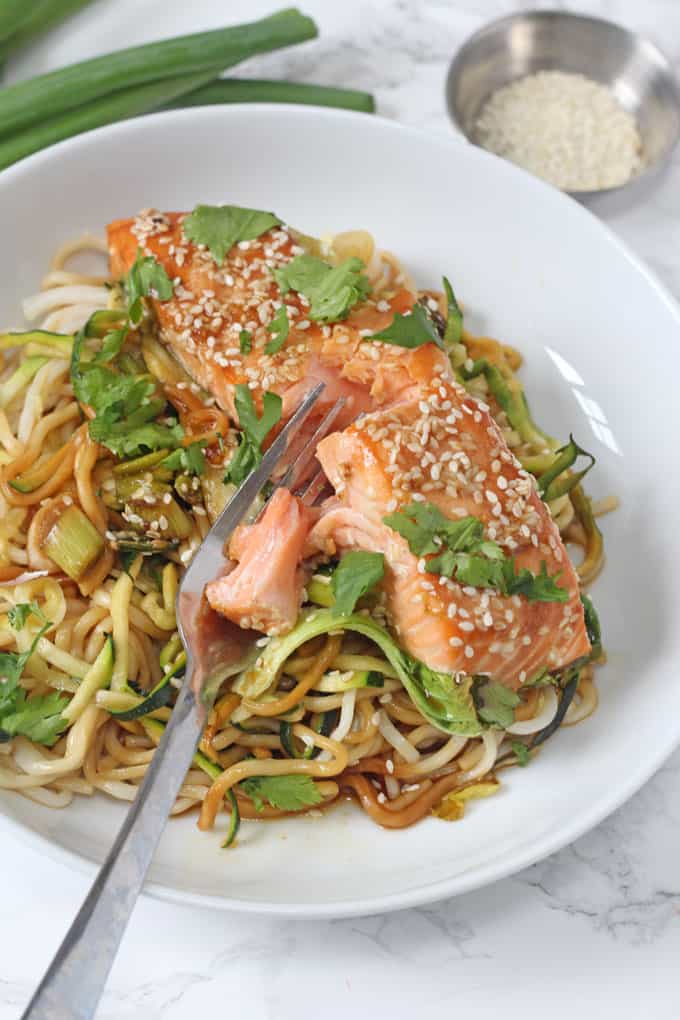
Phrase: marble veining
(594, 928)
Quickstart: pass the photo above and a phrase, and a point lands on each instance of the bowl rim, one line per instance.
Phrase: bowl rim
(653, 52)
(529, 851)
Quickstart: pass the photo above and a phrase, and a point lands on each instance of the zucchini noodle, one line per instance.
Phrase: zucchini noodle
(112, 636)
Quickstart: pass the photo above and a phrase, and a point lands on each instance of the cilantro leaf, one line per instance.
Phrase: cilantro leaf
(112, 343)
(288, 793)
(243, 463)
(254, 431)
(331, 290)
(453, 334)
(219, 227)
(39, 718)
(245, 340)
(124, 407)
(521, 751)
(354, 576)
(463, 553)
(20, 613)
(145, 278)
(427, 529)
(495, 703)
(257, 429)
(12, 665)
(535, 587)
(188, 459)
(280, 326)
(127, 439)
(411, 330)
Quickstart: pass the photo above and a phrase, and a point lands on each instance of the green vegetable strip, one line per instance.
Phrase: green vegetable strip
(548, 484)
(454, 321)
(107, 110)
(233, 90)
(512, 400)
(59, 343)
(13, 14)
(20, 379)
(50, 95)
(154, 728)
(39, 20)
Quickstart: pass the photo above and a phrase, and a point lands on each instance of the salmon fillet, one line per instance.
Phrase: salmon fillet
(420, 437)
(211, 304)
(445, 448)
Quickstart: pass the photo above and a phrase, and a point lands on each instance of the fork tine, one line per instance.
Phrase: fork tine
(242, 499)
(314, 488)
(306, 455)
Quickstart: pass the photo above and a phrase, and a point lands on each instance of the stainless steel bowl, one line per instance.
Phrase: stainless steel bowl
(637, 73)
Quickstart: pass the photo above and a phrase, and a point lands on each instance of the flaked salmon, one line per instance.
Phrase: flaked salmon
(264, 590)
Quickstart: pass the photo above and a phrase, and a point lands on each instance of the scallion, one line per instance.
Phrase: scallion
(51, 95)
(38, 18)
(73, 543)
(234, 90)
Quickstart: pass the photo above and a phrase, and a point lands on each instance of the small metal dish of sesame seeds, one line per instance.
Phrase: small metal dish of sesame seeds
(584, 103)
(597, 335)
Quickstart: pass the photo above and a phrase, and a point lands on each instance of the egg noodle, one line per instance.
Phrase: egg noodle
(364, 739)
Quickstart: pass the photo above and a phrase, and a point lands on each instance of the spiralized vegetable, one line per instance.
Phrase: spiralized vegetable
(370, 742)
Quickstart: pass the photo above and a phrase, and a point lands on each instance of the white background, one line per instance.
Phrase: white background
(594, 930)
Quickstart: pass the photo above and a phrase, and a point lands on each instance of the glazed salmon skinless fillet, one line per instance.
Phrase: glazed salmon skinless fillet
(410, 434)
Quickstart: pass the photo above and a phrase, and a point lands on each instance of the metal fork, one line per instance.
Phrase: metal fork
(74, 981)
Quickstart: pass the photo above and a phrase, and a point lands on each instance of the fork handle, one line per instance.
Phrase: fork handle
(74, 981)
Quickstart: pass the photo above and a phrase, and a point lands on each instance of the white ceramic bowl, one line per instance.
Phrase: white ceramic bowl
(600, 337)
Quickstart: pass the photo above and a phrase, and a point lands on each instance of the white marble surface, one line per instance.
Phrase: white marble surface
(594, 930)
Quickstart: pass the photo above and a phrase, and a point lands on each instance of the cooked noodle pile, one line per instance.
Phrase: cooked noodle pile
(369, 742)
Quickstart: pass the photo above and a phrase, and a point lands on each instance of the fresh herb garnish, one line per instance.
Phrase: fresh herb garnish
(280, 327)
(495, 703)
(521, 751)
(220, 227)
(331, 290)
(453, 333)
(190, 460)
(133, 435)
(18, 614)
(354, 576)
(245, 340)
(411, 330)
(287, 793)
(254, 431)
(125, 406)
(38, 718)
(463, 553)
(145, 278)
